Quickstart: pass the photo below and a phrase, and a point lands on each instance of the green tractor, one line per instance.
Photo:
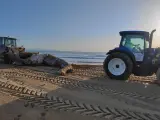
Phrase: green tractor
(7, 42)
(134, 55)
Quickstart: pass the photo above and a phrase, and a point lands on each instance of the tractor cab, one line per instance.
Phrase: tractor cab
(136, 42)
(7, 42)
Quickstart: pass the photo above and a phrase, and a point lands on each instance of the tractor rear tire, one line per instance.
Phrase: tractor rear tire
(118, 66)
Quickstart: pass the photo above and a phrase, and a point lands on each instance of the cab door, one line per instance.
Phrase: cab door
(2, 47)
(136, 44)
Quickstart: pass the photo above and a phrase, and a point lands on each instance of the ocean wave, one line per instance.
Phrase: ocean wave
(84, 57)
(88, 62)
(100, 55)
(84, 62)
(79, 57)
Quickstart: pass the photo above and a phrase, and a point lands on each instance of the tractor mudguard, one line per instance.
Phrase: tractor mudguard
(123, 50)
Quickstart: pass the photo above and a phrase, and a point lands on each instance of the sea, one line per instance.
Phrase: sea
(89, 58)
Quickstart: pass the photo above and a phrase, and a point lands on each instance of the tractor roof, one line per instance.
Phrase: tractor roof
(8, 38)
(122, 33)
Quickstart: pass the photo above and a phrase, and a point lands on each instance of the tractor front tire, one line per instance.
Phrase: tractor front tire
(118, 66)
(6, 59)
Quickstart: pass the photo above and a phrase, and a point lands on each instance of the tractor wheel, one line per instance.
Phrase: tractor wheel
(6, 59)
(158, 74)
(118, 66)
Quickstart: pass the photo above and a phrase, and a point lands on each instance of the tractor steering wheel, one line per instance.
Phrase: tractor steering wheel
(136, 47)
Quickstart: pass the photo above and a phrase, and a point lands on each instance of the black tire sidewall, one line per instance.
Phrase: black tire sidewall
(127, 61)
(6, 59)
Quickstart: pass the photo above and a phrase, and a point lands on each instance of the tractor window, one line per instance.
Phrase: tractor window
(9, 42)
(147, 44)
(1, 41)
(134, 43)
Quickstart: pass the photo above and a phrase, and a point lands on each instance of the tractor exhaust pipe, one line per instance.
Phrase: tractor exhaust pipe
(151, 37)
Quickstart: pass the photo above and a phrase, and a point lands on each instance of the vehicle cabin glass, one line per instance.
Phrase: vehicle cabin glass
(135, 43)
(10, 42)
(1, 41)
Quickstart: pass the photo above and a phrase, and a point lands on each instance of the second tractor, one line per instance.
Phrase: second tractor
(134, 55)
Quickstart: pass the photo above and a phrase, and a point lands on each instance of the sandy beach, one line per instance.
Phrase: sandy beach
(39, 93)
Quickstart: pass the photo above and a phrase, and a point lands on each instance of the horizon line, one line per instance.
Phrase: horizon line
(41, 49)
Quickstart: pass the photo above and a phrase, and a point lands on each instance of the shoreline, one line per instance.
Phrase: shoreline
(85, 66)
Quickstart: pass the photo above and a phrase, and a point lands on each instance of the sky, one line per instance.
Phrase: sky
(76, 25)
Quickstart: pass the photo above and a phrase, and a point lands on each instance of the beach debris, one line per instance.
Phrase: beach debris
(38, 59)
(50, 60)
(66, 69)
(57, 62)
